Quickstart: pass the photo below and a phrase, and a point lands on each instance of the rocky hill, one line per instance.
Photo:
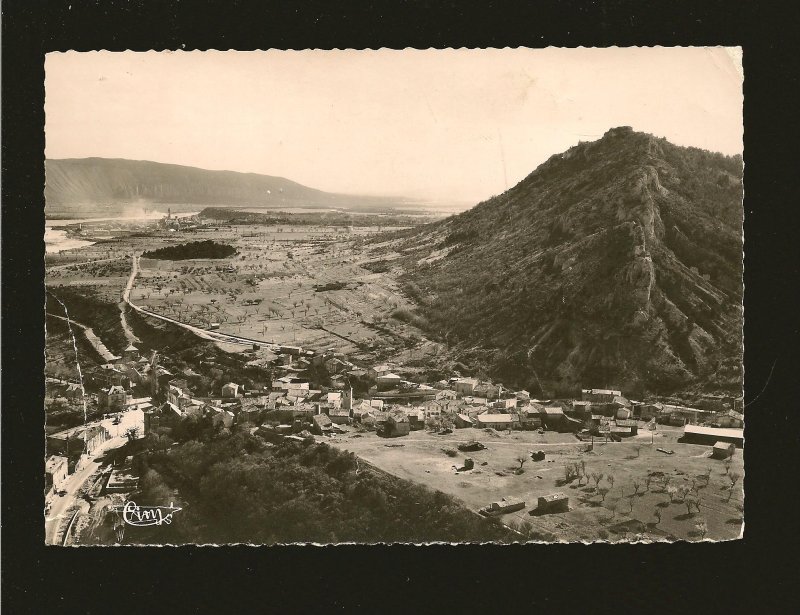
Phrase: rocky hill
(110, 186)
(617, 263)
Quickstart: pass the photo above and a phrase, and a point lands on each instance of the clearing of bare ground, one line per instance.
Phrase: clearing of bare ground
(655, 510)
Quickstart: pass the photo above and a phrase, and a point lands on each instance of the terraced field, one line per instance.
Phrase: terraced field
(302, 287)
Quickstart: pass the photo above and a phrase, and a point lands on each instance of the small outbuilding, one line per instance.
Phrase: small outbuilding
(630, 425)
(553, 503)
(396, 425)
(321, 424)
(230, 390)
(131, 353)
(463, 420)
(387, 382)
(502, 506)
(723, 450)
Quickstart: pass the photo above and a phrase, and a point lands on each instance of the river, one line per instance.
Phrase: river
(56, 240)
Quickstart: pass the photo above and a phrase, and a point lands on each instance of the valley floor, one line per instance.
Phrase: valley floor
(419, 457)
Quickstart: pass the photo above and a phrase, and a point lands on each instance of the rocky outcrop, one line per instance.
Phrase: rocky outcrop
(617, 262)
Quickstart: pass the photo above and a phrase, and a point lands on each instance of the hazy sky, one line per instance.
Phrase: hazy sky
(439, 124)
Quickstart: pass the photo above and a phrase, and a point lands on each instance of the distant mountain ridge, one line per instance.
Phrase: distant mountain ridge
(76, 184)
(618, 262)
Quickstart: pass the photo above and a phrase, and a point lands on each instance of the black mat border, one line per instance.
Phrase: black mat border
(732, 576)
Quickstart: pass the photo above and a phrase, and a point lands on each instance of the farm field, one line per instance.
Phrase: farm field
(621, 513)
(297, 286)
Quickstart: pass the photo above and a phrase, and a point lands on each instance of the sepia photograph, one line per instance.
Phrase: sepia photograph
(412, 296)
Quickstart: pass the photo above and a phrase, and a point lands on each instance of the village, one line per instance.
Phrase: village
(550, 463)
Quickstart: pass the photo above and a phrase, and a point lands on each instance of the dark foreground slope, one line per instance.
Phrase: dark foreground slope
(618, 262)
(238, 489)
(104, 185)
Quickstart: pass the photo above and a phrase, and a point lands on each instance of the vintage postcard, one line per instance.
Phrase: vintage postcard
(394, 296)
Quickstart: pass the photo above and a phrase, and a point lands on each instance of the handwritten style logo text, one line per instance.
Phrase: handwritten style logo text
(141, 516)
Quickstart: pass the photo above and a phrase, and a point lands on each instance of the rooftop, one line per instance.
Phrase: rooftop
(602, 392)
(725, 432)
(553, 497)
(495, 418)
(53, 462)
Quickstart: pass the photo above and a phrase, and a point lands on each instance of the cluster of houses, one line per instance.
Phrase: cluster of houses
(63, 388)
(393, 406)
(171, 223)
(292, 407)
(125, 372)
(68, 450)
(114, 382)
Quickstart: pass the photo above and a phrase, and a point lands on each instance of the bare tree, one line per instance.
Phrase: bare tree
(580, 472)
(610, 479)
(636, 484)
(521, 461)
(689, 502)
(603, 491)
(702, 528)
(733, 477)
(596, 477)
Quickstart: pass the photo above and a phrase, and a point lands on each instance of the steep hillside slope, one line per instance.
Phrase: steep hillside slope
(618, 262)
(95, 184)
